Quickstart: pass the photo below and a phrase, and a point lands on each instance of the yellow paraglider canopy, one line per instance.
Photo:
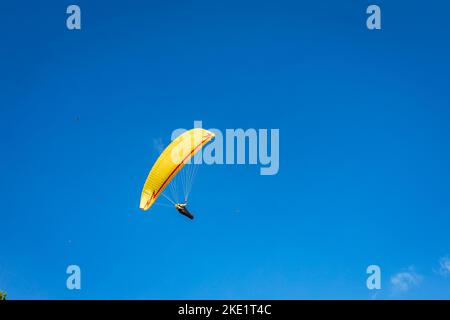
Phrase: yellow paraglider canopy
(170, 161)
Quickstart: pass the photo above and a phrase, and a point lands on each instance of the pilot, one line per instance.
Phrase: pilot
(181, 207)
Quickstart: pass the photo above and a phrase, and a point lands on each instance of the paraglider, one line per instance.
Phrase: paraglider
(181, 207)
(172, 159)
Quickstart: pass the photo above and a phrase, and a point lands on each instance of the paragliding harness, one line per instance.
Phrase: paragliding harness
(181, 207)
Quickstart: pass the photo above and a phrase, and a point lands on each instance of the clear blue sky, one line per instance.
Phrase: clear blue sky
(364, 125)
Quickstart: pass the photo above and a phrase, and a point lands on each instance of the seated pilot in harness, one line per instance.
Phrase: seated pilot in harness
(181, 207)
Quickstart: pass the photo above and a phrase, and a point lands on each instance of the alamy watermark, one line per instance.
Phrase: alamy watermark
(236, 146)
(73, 281)
(374, 279)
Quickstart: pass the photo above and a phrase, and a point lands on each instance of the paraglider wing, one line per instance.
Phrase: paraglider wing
(170, 161)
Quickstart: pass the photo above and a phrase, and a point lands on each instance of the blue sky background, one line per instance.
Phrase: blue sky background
(364, 148)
